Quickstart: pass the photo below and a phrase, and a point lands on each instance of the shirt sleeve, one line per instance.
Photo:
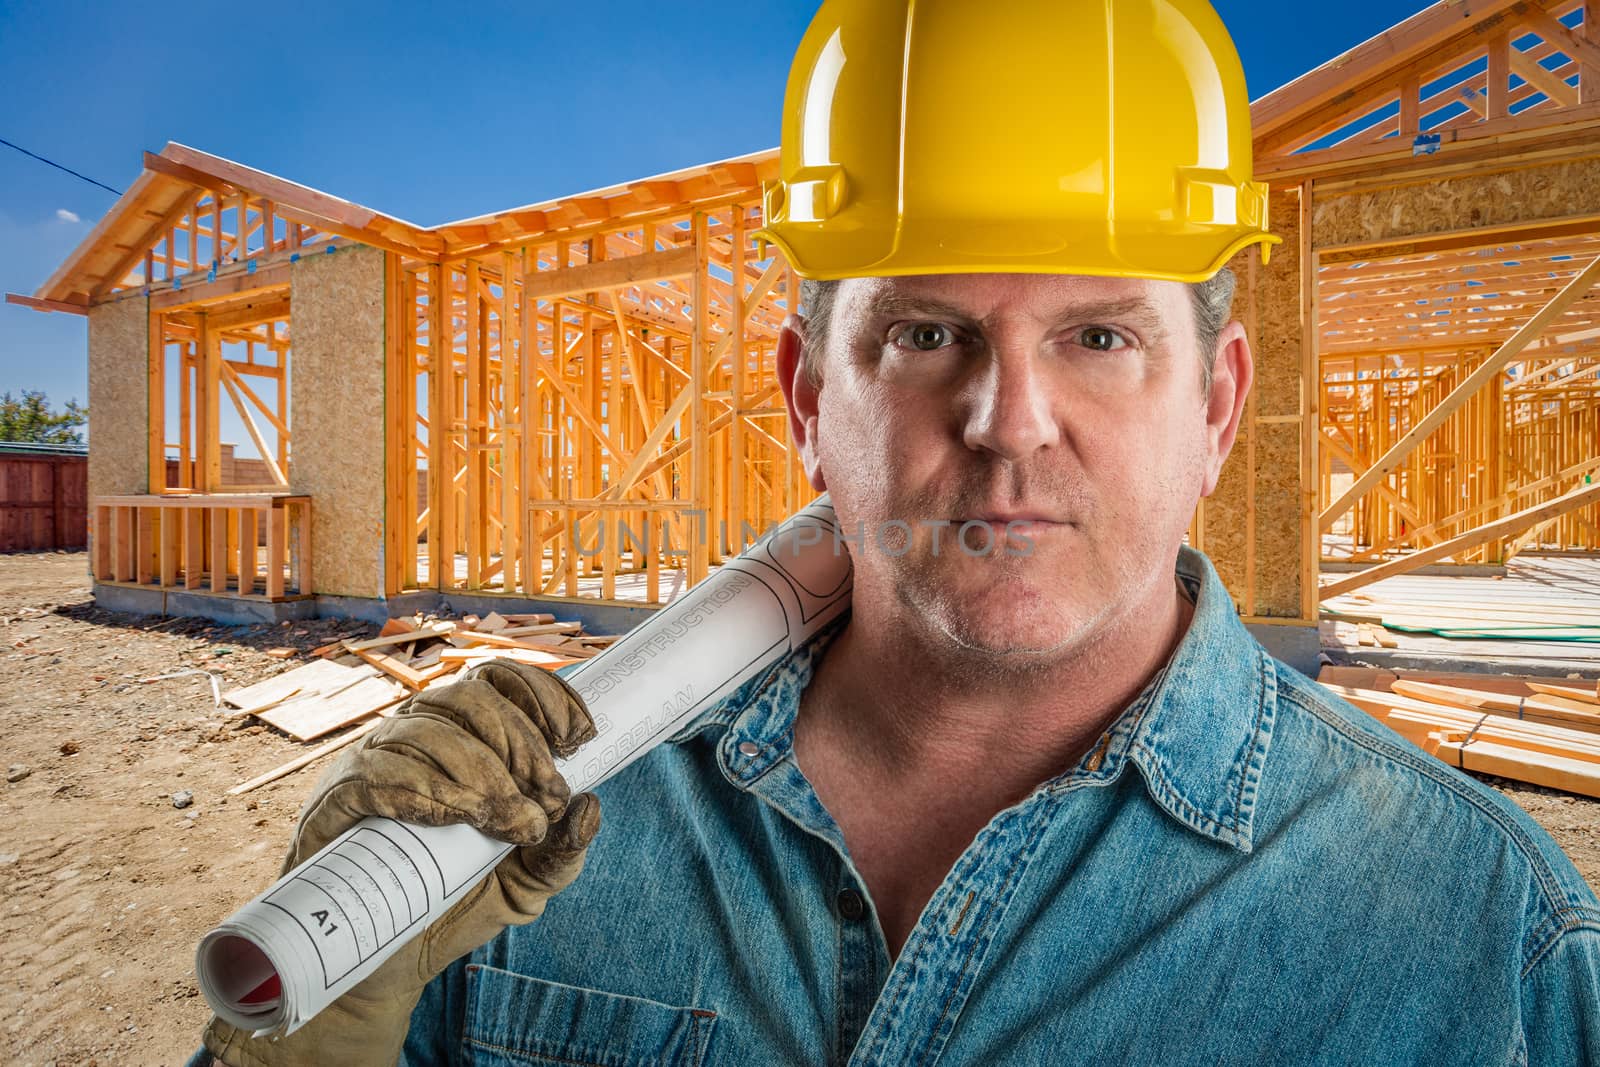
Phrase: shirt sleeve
(1561, 1002)
(438, 1021)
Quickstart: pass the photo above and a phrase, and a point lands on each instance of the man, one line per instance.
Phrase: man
(1040, 798)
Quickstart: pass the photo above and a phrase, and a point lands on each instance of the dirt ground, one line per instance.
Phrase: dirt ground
(105, 887)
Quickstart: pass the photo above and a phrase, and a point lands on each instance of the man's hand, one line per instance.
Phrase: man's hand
(480, 751)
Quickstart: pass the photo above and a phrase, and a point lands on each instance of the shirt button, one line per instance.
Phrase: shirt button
(851, 905)
(749, 748)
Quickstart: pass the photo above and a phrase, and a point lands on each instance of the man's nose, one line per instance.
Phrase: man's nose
(1009, 412)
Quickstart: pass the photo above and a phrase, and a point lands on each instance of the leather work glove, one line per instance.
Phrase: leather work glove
(479, 751)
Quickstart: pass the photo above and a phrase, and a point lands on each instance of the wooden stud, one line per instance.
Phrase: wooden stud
(247, 551)
(217, 562)
(277, 553)
(194, 548)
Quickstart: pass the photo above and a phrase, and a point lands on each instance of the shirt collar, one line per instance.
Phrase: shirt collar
(1198, 732)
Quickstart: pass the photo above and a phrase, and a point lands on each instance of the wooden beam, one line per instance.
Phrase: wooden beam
(235, 282)
(1491, 531)
(1589, 71)
(610, 274)
(267, 454)
(1535, 74)
(39, 304)
(142, 244)
(1499, 76)
(155, 402)
(1434, 29)
(1549, 27)
(269, 308)
(1490, 367)
(1488, 139)
(360, 222)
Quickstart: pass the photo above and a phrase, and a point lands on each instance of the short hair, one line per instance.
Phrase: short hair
(1212, 300)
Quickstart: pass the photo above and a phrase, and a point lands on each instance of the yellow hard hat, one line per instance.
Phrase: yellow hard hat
(1105, 137)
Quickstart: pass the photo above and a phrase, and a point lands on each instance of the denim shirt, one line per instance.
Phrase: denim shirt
(1245, 870)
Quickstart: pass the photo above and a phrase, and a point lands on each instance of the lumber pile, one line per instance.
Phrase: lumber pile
(1487, 617)
(1538, 730)
(355, 684)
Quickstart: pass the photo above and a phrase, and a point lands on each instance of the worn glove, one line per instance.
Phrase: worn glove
(479, 751)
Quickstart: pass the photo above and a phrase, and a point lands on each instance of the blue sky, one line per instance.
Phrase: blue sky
(431, 112)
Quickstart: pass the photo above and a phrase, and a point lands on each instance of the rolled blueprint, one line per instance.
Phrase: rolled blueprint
(336, 918)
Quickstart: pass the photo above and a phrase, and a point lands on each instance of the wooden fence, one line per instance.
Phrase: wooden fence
(43, 501)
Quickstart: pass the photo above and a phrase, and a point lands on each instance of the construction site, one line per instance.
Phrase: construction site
(521, 433)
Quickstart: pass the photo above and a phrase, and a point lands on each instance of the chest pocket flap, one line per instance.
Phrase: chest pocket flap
(517, 1021)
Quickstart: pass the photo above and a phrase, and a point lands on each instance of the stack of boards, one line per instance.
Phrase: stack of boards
(1542, 731)
(358, 683)
(1495, 618)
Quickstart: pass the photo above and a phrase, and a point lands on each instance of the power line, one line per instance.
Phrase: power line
(58, 166)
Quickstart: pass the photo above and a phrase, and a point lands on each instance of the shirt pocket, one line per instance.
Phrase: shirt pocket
(513, 1020)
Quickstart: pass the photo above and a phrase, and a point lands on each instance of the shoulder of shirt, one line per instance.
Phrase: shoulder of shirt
(1563, 901)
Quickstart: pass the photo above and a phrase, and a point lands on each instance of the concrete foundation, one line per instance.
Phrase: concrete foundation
(232, 610)
(1297, 646)
(596, 617)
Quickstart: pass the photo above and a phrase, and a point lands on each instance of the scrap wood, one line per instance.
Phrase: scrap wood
(1527, 738)
(412, 679)
(427, 658)
(521, 655)
(314, 677)
(310, 757)
(1587, 696)
(498, 640)
(1370, 635)
(436, 629)
(1517, 685)
(1415, 726)
(1379, 704)
(1538, 768)
(1553, 707)
(322, 696)
(542, 628)
(316, 715)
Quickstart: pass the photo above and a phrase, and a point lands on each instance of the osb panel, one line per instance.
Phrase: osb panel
(1275, 304)
(1462, 202)
(1226, 524)
(1278, 542)
(119, 400)
(336, 404)
(1270, 304)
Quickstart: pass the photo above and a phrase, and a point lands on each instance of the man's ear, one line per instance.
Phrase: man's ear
(801, 397)
(1231, 376)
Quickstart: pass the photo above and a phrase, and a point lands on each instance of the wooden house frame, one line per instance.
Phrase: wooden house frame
(1449, 177)
(577, 399)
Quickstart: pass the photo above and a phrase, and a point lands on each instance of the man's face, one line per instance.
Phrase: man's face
(1070, 409)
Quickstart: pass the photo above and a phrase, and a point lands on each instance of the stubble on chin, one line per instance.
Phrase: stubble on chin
(970, 616)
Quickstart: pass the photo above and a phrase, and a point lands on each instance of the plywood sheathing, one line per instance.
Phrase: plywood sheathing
(119, 347)
(1278, 409)
(1277, 521)
(336, 394)
(1227, 537)
(1526, 194)
(1252, 523)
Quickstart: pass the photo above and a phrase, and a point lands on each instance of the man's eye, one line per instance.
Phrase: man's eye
(1101, 339)
(927, 336)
